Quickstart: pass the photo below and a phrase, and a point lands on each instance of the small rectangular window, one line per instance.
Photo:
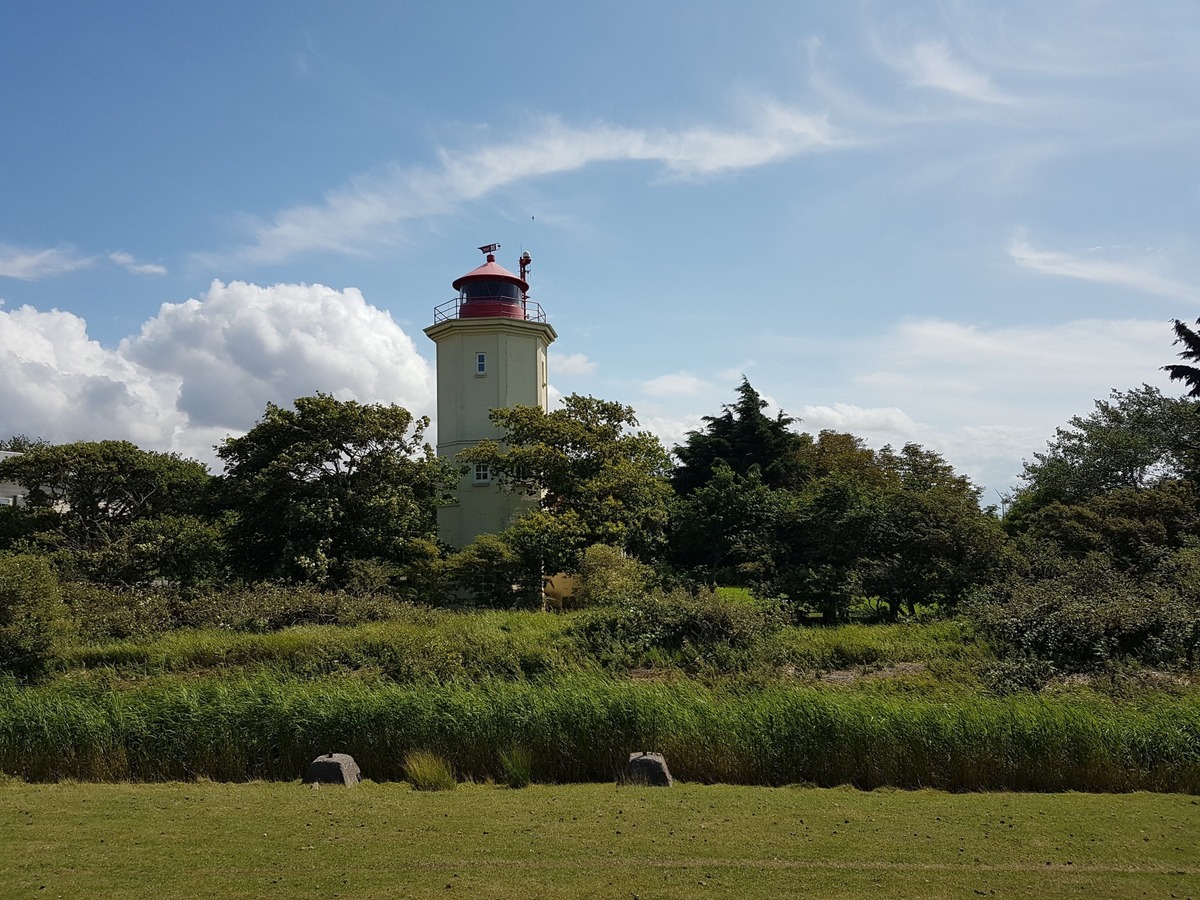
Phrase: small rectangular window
(480, 363)
(483, 474)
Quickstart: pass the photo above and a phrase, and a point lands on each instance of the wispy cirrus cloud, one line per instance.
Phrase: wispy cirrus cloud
(1137, 275)
(931, 64)
(130, 264)
(369, 212)
(34, 265)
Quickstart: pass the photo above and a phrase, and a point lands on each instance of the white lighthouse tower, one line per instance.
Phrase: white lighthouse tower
(491, 353)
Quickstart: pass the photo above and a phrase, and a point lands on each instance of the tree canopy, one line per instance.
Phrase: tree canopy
(329, 482)
(587, 465)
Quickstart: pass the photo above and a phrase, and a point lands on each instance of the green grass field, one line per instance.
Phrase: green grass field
(385, 840)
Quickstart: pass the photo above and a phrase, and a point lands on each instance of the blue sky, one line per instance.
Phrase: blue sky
(951, 223)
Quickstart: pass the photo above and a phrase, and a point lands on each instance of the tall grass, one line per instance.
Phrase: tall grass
(431, 646)
(582, 729)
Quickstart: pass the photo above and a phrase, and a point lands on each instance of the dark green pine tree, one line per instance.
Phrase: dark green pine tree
(741, 437)
(1189, 375)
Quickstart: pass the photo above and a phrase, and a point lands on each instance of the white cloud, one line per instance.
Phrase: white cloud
(1136, 275)
(889, 421)
(370, 211)
(127, 262)
(678, 384)
(930, 64)
(205, 368)
(34, 265)
(571, 364)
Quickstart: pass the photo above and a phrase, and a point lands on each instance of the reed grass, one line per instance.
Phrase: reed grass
(426, 771)
(581, 728)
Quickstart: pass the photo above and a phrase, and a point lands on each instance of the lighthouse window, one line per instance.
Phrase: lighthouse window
(483, 474)
(480, 363)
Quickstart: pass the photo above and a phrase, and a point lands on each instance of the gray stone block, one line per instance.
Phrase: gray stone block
(648, 769)
(334, 768)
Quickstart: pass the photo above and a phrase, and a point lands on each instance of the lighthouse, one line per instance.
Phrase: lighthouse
(491, 353)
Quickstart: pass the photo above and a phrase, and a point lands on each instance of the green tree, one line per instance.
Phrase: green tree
(741, 437)
(1188, 374)
(81, 497)
(585, 461)
(30, 607)
(1136, 439)
(328, 482)
(905, 531)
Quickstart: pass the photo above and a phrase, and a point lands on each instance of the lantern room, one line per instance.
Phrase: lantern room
(491, 291)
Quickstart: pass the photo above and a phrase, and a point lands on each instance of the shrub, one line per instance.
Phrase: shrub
(428, 772)
(1086, 615)
(100, 612)
(30, 610)
(696, 632)
(607, 577)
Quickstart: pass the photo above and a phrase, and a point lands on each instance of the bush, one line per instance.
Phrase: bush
(701, 632)
(102, 612)
(30, 610)
(607, 577)
(429, 772)
(1085, 616)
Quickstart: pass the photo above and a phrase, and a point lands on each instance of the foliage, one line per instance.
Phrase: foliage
(427, 771)
(1188, 374)
(492, 574)
(328, 482)
(586, 466)
(1083, 616)
(84, 496)
(1137, 529)
(723, 530)
(906, 530)
(1136, 439)
(30, 609)
(699, 633)
(740, 439)
(608, 577)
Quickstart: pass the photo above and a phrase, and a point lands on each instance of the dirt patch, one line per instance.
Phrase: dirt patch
(848, 676)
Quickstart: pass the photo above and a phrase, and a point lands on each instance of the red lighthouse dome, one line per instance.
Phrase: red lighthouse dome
(492, 290)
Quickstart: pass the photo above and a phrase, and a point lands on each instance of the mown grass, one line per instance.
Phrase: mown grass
(376, 840)
(581, 728)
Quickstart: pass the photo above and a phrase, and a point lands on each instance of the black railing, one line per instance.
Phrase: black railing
(452, 309)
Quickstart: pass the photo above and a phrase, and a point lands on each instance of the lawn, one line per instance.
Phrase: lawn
(286, 840)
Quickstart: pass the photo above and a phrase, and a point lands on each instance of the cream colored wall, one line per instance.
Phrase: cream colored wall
(516, 375)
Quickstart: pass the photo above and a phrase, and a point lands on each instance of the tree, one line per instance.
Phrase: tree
(1136, 439)
(1190, 375)
(741, 437)
(85, 495)
(329, 482)
(585, 462)
(907, 530)
(20, 443)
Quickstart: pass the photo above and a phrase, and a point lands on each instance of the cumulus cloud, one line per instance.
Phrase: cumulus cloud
(34, 265)
(572, 364)
(1136, 275)
(370, 211)
(127, 262)
(204, 368)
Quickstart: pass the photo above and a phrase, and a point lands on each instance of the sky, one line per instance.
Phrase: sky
(957, 224)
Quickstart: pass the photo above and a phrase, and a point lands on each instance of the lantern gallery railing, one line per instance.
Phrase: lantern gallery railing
(484, 307)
